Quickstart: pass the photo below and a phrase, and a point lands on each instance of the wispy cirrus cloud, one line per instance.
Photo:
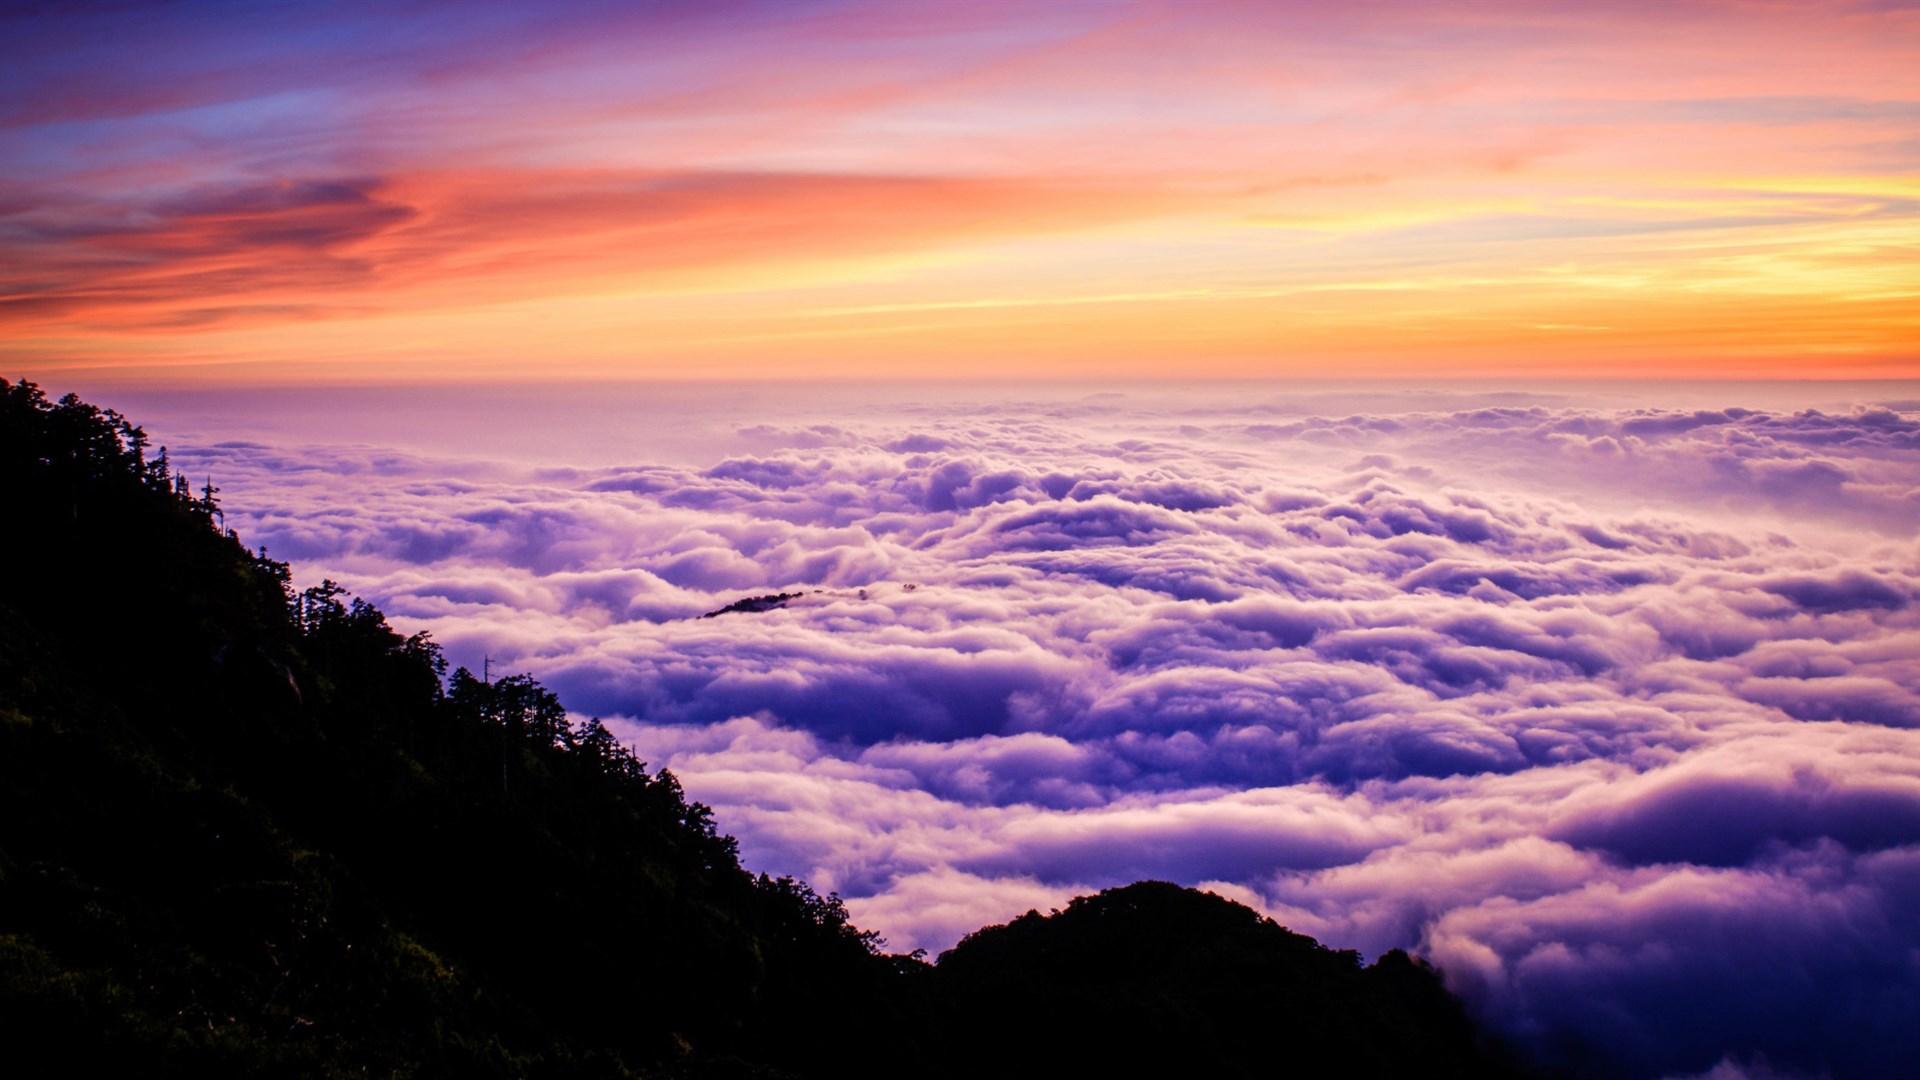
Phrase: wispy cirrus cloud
(260, 253)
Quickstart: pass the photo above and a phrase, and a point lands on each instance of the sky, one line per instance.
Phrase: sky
(207, 194)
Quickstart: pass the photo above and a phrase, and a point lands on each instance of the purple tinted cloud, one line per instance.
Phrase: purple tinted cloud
(1609, 712)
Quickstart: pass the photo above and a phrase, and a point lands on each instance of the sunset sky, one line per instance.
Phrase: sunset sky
(1375, 469)
(344, 193)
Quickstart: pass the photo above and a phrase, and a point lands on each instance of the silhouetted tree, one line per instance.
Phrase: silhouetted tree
(211, 505)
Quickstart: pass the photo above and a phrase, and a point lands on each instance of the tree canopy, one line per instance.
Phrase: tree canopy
(249, 830)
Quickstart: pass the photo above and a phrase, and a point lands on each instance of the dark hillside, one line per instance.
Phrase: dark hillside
(243, 830)
(250, 832)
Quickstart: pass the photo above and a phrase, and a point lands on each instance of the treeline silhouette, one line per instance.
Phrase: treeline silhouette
(249, 831)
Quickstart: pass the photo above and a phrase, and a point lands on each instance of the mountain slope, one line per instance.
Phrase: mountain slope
(245, 831)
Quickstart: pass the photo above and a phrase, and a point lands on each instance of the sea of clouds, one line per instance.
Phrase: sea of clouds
(1612, 712)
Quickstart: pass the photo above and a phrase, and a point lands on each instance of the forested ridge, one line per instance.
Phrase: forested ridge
(252, 831)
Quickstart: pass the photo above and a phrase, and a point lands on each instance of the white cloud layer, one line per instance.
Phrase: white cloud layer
(1614, 713)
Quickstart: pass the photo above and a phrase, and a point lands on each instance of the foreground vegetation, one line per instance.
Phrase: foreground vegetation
(246, 831)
